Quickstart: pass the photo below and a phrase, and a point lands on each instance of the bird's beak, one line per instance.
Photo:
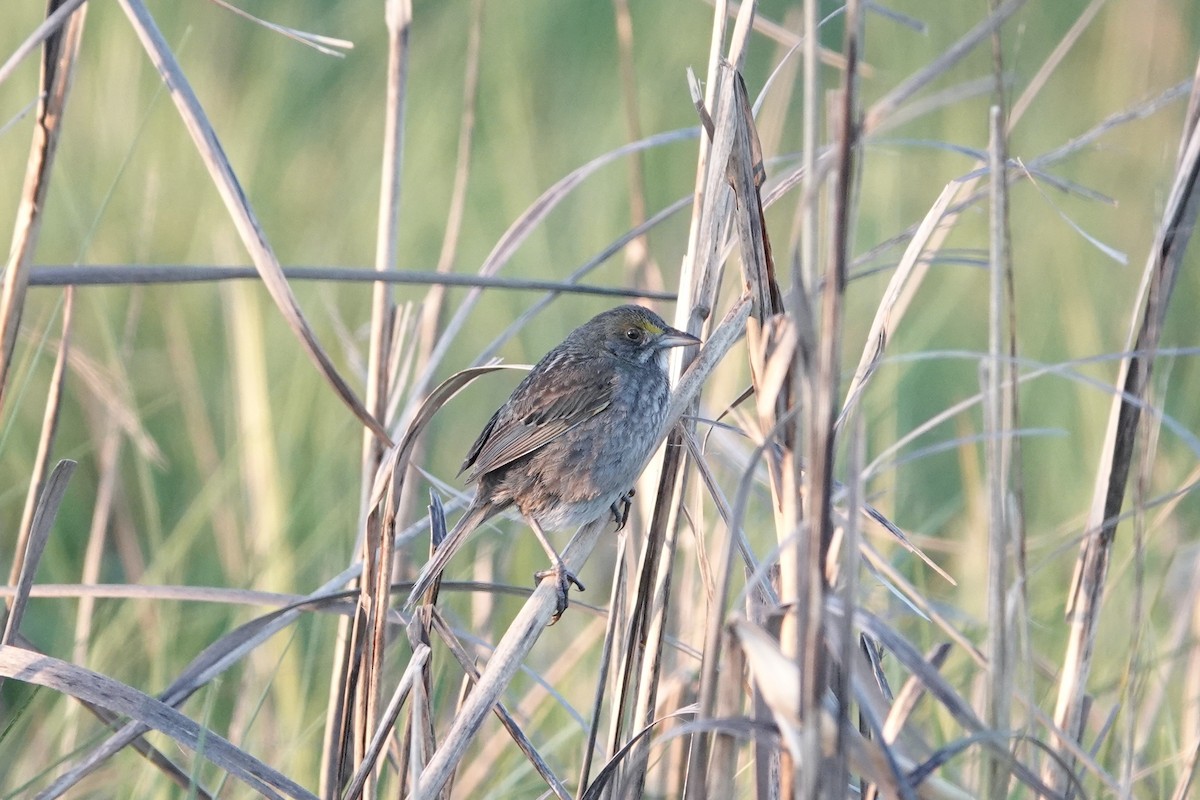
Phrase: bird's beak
(676, 338)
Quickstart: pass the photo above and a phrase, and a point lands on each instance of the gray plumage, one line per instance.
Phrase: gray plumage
(574, 435)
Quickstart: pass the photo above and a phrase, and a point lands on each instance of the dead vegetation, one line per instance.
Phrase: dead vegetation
(769, 630)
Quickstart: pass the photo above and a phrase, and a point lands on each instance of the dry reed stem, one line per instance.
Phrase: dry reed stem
(721, 162)
(613, 630)
(57, 69)
(1091, 568)
(379, 543)
(359, 783)
(136, 275)
(744, 172)
(351, 671)
(398, 16)
(41, 464)
(58, 66)
(208, 146)
(694, 296)
(816, 382)
(326, 45)
(978, 735)
(375, 599)
(999, 422)
(640, 267)
(847, 683)
(640, 666)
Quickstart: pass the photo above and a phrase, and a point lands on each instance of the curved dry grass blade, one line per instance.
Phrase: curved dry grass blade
(43, 520)
(611, 249)
(1061, 49)
(322, 44)
(779, 679)
(170, 769)
(883, 108)
(909, 274)
(524, 225)
(937, 686)
(595, 790)
(211, 662)
(911, 693)
(208, 146)
(1154, 297)
(100, 690)
(58, 66)
(445, 392)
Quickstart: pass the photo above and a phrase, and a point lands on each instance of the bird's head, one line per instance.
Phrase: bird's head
(636, 334)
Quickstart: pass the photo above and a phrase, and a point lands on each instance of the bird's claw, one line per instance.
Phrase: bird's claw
(620, 508)
(563, 579)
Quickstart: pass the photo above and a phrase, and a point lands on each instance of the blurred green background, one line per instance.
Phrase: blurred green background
(239, 467)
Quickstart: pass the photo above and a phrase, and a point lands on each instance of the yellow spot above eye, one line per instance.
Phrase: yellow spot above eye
(650, 327)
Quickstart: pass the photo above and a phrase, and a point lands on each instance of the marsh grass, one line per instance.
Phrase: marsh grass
(848, 572)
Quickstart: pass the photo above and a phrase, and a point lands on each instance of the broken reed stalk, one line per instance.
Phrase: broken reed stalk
(1091, 568)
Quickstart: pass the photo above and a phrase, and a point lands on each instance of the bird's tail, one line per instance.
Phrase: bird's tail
(471, 520)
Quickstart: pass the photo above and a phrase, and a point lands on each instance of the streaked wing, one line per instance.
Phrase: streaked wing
(538, 413)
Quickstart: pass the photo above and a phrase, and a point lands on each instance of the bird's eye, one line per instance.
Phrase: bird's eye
(633, 334)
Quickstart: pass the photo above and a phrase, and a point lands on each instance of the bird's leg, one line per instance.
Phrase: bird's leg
(563, 577)
(620, 508)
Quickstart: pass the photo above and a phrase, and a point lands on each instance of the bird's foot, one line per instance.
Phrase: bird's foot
(563, 579)
(620, 508)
